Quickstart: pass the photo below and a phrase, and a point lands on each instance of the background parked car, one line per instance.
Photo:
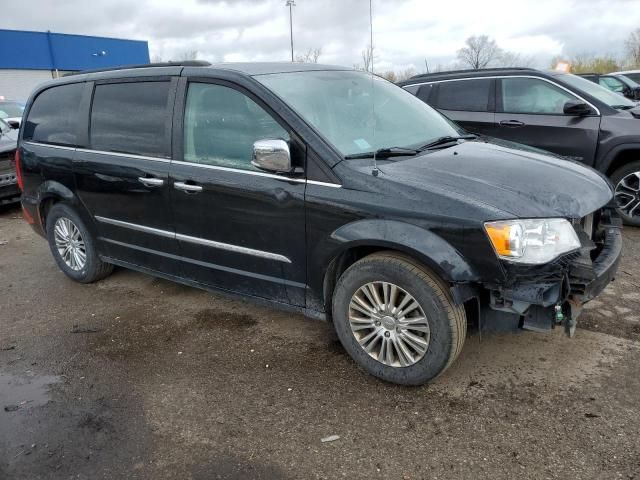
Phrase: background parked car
(9, 191)
(11, 112)
(632, 74)
(616, 83)
(558, 112)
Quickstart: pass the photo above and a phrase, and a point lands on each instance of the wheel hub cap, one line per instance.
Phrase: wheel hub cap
(70, 244)
(389, 324)
(627, 194)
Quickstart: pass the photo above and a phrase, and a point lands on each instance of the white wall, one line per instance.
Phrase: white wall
(18, 84)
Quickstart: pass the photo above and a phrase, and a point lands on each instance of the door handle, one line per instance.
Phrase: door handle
(151, 181)
(187, 187)
(511, 123)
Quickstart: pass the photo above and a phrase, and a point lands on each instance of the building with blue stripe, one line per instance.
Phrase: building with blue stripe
(29, 58)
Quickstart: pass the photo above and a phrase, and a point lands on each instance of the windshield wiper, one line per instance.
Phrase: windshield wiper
(385, 153)
(623, 107)
(447, 139)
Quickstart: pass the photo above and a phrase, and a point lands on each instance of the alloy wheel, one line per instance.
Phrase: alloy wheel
(627, 194)
(389, 324)
(70, 244)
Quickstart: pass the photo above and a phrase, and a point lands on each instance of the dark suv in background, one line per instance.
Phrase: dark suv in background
(558, 112)
(260, 180)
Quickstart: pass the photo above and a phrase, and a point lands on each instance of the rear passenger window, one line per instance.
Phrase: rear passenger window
(131, 118)
(465, 95)
(221, 124)
(53, 117)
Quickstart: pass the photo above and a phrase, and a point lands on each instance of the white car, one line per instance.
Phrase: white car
(11, 112)
(632, 74)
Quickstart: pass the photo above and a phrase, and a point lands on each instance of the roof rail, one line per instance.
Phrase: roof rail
(470, 70)
(185, 63)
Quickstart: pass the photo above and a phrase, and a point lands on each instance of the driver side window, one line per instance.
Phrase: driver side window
(221, 124)
(531, 95)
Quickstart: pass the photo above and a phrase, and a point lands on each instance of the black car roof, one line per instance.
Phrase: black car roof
(247, 68)
(483, 72)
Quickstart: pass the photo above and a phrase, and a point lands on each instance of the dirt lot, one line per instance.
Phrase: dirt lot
(135, 377)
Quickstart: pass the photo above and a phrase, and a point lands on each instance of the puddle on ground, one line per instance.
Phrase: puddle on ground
(22, 392)
(18, 395)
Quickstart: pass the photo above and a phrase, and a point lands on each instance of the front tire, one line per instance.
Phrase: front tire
(73, 246)
(397, 319)
(626, 181)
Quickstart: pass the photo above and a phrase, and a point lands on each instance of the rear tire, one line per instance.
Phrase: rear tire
(626, 182)
(410, 346)
(73, 246)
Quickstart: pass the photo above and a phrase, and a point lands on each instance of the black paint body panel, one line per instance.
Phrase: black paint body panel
(431, 207)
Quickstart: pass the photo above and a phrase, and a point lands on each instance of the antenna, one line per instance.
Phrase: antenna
(375, 170)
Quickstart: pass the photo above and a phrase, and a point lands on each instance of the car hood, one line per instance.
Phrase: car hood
(521, 183)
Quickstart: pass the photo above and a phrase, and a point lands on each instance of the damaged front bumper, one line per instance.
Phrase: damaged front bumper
(541, 297)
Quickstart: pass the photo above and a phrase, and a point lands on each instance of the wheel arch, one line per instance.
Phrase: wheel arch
(365, 237)
(619, 156)
(51, 192)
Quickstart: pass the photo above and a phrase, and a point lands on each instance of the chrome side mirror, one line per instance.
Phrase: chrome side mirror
(272, 155)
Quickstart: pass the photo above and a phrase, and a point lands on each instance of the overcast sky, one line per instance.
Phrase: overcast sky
(405, 31)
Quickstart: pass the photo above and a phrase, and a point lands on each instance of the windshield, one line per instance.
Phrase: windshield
(601, 93)
(628, 81)
(11, 109)
(340, 105)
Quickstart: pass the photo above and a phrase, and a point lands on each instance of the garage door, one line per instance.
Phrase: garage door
(18, 84)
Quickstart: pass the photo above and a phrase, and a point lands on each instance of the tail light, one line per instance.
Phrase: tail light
(19, 171)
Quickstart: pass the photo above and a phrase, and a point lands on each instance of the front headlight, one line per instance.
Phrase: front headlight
(533, 241)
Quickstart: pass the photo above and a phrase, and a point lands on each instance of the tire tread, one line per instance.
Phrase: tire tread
(455, 314)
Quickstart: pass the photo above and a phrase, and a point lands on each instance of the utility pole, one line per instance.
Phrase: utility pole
(291, 4)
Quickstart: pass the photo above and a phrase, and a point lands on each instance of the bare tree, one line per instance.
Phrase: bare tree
(389, 75)
(188, 55)
(367, 58)
(405, 74)
(588, 63)
(395, 77)
(512, 59)
(632, 45)
(480, 52)
(310, 56)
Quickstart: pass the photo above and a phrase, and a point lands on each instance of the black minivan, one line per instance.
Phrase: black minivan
(318, 189)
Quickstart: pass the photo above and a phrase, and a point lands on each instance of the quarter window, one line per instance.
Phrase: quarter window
(424, 93)
(531, 95)
(131, 118)
(464, 95)
(53, 117)
(221, 124)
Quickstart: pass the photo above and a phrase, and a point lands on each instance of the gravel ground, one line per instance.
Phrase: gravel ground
(135, 377)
